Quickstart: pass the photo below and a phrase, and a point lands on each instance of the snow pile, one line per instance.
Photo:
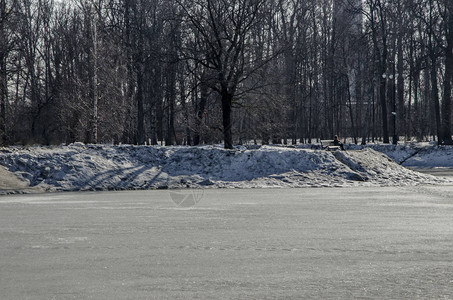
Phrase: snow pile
(431, 157)
(399, 153)
(379, 168)
(102, 167)
(421, 155)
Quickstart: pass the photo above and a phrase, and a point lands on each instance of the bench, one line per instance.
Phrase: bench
(329, 145)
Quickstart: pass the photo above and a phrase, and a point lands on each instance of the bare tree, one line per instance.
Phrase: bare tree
(183, 71)
(446, 104)
(4, 45)
(223, 28)
(378, 26)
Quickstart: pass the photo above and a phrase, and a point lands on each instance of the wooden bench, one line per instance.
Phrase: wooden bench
(329, 145)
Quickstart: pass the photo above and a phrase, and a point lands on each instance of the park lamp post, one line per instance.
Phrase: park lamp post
(390, 77)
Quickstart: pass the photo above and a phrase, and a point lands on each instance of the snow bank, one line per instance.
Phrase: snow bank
(421, 155)
(399, 153)
(102, 167)
(431, 157)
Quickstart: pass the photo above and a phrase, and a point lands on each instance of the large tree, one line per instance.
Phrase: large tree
(3, 73)
(377, 18)
(446, 104)
(223, 27)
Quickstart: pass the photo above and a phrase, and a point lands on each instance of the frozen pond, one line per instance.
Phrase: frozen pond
(375, 242)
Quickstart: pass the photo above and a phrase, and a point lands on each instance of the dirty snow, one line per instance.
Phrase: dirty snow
(105, 167)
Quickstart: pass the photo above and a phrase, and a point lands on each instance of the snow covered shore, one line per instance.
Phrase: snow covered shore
(103, 167)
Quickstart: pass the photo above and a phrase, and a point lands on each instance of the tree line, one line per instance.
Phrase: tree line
(233, 71)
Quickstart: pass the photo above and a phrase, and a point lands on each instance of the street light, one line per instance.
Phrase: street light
(390, 77)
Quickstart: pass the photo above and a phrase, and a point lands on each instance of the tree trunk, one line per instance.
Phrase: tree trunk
(435, 95)
(401, 114)
(95, 83)
(446, 103)
(140, 108)
(154, 96)
(3, 78)
(227, 101)
(381, 65)
(185, 111)
(351, 111)
(416, 117)
(200, 113)
(171, 98)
